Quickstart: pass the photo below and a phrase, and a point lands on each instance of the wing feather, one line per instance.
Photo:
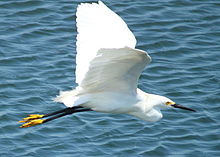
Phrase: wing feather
(115, 70)
(98, 27)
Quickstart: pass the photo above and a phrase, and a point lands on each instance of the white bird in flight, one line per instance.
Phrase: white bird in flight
(107, 71)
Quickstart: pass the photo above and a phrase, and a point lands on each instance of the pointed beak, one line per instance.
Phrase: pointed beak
(182, 107)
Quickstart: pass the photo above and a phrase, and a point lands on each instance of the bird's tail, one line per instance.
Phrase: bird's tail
(68, 98)
(71, 98)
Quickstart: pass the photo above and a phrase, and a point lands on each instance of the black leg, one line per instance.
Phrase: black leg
(61, 111)
(35, 119)
(69, 111)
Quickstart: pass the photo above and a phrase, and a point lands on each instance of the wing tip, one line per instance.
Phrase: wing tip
(100, 2)
(141, 52)
(84, 8)
(91, 4)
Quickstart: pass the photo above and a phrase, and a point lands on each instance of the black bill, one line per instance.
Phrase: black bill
(182, 107)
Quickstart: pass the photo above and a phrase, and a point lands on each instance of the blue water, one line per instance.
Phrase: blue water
(37, 60)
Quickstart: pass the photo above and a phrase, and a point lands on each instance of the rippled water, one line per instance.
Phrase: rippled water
(37, 59)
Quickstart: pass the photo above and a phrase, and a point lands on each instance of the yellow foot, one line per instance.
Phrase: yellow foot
(32, 123)
(31, 117)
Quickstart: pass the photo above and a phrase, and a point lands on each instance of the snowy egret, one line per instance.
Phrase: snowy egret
(107, 70)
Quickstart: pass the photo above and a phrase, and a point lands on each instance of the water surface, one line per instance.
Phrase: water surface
(37, 60)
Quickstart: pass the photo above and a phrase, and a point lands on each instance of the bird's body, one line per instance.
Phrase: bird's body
(111, 86)
(107, 70)
(140, 104)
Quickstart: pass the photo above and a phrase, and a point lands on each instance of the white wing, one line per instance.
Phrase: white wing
(112, 70)
(115, 70)
(98, 27)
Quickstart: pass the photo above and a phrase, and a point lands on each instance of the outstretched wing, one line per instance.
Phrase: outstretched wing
(98, 27)
(115, 70)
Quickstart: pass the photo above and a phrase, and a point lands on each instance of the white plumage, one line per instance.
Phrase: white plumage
(98, 27)
(108, 67)
(107, 70)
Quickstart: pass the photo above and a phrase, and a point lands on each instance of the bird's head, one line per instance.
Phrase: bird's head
(164, 102)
